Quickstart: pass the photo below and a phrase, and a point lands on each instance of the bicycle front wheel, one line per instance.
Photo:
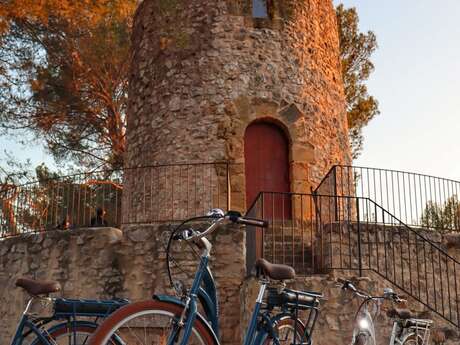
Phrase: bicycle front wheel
(361, 339)
(149, 322)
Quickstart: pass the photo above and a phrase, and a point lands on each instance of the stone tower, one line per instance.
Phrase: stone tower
(255, 83)
(205, 70)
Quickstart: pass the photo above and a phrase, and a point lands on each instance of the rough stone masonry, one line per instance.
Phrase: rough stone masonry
(203, 70)
(106, 263)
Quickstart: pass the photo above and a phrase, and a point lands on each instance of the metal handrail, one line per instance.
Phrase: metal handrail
(419, 200)
(330, 232)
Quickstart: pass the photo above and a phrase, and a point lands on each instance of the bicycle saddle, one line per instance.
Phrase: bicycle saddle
(275, 271)
(38, 287)
(402, 314)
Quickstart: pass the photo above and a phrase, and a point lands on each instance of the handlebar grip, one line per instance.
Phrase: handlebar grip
(253, 222)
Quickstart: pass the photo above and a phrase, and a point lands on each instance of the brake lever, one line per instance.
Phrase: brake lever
(184, 235)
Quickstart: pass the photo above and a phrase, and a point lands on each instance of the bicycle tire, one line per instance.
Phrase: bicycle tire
(361, 339)
(59, 334)
(285, 329)
(165, 313)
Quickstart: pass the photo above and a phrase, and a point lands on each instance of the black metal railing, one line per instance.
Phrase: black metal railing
(291, 236)
(61, 202)
(418, 200)
(158, 193)
(318, 233)
(168, 193)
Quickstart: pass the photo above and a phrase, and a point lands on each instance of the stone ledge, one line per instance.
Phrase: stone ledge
(115, 234)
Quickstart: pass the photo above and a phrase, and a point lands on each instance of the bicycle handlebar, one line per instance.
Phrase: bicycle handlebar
(389, 294)
(230, 217)
(236, 217)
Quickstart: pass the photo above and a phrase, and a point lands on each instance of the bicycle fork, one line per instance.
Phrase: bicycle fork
(393, 333)
(188, 316)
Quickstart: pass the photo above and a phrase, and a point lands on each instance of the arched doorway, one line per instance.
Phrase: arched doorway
(266, 155)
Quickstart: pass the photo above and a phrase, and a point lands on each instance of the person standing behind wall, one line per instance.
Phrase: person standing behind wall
(99, 220)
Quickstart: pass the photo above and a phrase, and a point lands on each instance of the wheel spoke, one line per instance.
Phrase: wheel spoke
(141, 324)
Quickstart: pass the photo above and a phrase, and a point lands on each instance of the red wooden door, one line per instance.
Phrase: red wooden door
(266, 151)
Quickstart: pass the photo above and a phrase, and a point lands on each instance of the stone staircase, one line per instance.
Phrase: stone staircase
(292, 243)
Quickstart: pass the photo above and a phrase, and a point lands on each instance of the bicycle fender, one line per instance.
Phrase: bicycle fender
(177, 301)
(210, 311)
(418, 336)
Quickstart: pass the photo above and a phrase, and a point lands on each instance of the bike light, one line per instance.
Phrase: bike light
(363, 324)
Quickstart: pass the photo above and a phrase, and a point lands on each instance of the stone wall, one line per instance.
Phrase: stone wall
(83, 261)
(105, 263)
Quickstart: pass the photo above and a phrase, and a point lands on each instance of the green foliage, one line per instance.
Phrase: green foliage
(443, 217)
(63, 76)
(356, 49)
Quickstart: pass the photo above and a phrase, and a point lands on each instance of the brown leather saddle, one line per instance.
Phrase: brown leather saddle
(402, 314)
(275, 271)
(38, 287)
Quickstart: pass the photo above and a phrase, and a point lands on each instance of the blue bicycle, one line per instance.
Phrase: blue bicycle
(171, 320)
(59, 321)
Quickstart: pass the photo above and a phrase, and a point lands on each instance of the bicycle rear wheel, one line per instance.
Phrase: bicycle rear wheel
(289, 332)
(73, 333)
(149, 322)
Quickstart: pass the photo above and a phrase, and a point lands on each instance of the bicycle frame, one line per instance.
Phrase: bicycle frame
(26, 323)
(207, 296)
(250, 333)
(203, 290)
(29, 326)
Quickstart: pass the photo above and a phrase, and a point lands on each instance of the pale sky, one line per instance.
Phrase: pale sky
(417, 81)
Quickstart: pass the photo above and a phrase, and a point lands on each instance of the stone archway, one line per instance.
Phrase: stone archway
(290, 121)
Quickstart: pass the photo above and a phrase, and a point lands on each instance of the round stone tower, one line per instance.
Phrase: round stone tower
(210, 78)
(255, 84)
